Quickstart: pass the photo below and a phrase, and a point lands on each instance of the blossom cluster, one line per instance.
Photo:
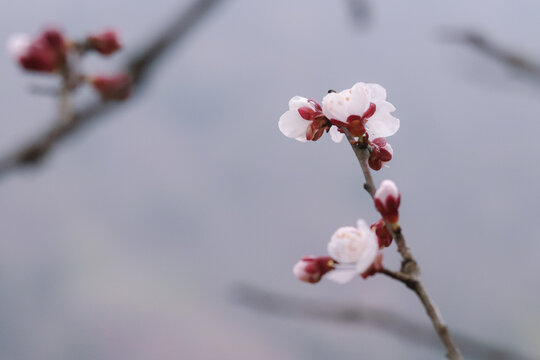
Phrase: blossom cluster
(355, 251)
(52, 52)
(362, 111)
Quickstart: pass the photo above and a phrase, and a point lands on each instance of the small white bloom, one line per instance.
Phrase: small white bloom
(305, 121)
(357, 101)
(291, 124)
(355, 249)
(17, 45)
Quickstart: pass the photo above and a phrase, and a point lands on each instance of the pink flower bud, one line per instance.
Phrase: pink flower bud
(47, 53)
(105, 43)
(383, 235)
(387, 199)
(116, 87)
(311, 269)
(375, 267)
(381, 153)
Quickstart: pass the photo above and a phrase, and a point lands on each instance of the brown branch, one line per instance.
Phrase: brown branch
(292, 307)
(138, 66)
(362, 154)
(410, 272)
(494, 51)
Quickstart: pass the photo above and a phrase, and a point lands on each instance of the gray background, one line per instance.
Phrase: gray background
(125, 243)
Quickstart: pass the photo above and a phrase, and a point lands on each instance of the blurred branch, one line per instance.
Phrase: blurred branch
(494, 51)
(139, 66)
(393, 323)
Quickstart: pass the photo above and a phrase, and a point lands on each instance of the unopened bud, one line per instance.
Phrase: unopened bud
(383, 235)
(105, 43)
(311, 269)
(387, 199)
(116, 87)
(47, 53)
(381, 153)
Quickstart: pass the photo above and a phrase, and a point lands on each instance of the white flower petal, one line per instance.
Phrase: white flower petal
(385, 106)
(335, 134)
(17, 44)
(362, 225)
(371, 247)
(346, 245)
(342, 276)
(382, 125)
(335, 107)
(368, 256)
(292, 125)
(378, 93)
(387, 189)
(359, 99)
(297, 102)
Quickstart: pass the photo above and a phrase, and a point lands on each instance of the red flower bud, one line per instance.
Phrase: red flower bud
(381, 153)
(387, 199)
(116, 87)
(47, 53)
(383, 235)
(105, 43)
(311, 269)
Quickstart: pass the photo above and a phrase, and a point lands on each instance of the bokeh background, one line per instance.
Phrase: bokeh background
(128, 241)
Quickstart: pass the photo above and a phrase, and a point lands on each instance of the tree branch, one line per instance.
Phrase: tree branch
(410, 272)
(138, 66)
(292, 307)
(494, 51)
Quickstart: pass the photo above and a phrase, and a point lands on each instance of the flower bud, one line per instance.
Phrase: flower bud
(383, 235)
(381, 153)
(116, 87)
(387, 199)
(375, 267)
(311, 269)
(105, 43)
(47, 53)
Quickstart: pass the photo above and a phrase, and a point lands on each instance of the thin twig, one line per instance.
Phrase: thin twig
(300, 308)
(138, 66)
(362, 153)
(410, 272)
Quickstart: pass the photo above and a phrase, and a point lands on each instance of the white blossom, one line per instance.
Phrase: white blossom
(366, 101)
(355, 249)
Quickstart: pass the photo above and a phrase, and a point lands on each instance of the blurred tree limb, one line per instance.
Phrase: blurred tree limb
(139, 66)
(494, 51)
(399, 326)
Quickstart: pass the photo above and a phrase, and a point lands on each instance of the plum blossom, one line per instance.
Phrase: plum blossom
(46, 53)
(387, 199)
(361, 109)
(311, 269)
(381, 153)
(354, 249)
(305, 121)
